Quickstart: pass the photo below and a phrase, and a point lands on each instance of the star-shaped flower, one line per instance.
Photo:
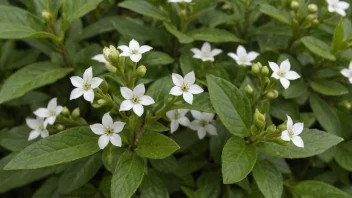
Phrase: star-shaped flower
(177, 117)
(205, 53)
(134, 51)
(39, 128)
(135, 99)
(292, 132)
(338, 6)
(185, 86)
(283, 73)
(348, 72)
(50, 112)
(85, 85)
(202, 123)
(242, 57)
(108, 131)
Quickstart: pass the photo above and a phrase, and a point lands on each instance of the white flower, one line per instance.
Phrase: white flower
(242, 57)
(177, 117)
(180, 1)
(135, 99)
(51, 112)
(348, 72)
(134, 51)
(100, 58)
(185, 86)
(292, 132)
(283, 73)
(108, 131)
(85, 86)
(39, 128)
(202, 123)
(206, 54)
(338, 6)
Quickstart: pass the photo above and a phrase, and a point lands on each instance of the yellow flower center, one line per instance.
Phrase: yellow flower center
(135, 100)
(86, 86)
(184, 87)
(281, 73)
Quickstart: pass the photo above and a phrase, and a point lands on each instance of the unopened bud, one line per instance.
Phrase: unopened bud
(282, 127)
(265, 71)
(248, 89)
(110, 68)
(312, 8)
(96, 105)
(104, 86)
(271, 129)
(272, 94)
(346, 104)
(76, 113)
(315, 21)
(254, 130)
(259, 119)
(60, 127)
(255, 68)
(101, 101)
(106, 52)
(281, 141)
(294, 5)
(311, 17)
(113, 55)
(46, 16)
(65, 111)
(141, 70)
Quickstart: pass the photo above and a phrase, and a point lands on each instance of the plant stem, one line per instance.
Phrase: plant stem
(62, 50)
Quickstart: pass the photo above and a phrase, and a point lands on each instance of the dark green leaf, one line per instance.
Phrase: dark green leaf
(110, 156)
(318, 47)
(182, 38)
(213, 35)
(338, 39)
(152, 186)
(201, 102)
(329, 88)
(275, 13)
(209, 185)
(155, 58)
(75, 9)
(15, 139)
(144, 8)
(343, 155)
(157, 127)
(318, 189)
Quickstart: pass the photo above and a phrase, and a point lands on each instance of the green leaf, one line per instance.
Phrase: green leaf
(213, 35)
(152, 186)
(160, 89)
(318, 47)
(209, 185)
(155, 146)
(128, 175)
(201, 102)
(231, 104)
(275, 13)
(329, 88)
(144, 8)
(318, 189)
(238, 159)
(338, 39)
(297, 89)
(111, 155)
(102, 26)
(155, 58)
(268, 179)
(182, 38)
(15, 139)
(48, 188)
(315, 142)
(72, 10)
(166, 165)
(79, 173)
(66, 146)
(343, 155)
(16, 23)
(29, 78)
(157, 127)
(325, 115)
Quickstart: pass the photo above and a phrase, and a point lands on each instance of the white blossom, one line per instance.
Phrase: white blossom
(134, 51)
(180, 1)
(202, 123)
(205, 53)
(242, 57)
(108, 131)
(338, 6)
(292, 132)
(100, 58)
(283, 73)
(50, 112)
(348, 72)
(177, 117)
(185, 86)
(84, 86)
(38, 127)
(135, 99)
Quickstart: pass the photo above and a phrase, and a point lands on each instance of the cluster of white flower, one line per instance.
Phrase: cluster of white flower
(338, 6)
(45, 116)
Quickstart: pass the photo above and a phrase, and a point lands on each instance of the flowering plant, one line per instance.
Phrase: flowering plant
(177, 98)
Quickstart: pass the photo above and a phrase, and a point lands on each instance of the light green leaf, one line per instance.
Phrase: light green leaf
(268, 179)
(128, 175)
(338, 39)
(329, 88)
(318, 47)
(201, 102)
(103, 25)
(72, 10)
(231, 104)
(238, 159)
(111, 155)
(275, 13)
(155, 146)
(29, 78)
(66, 146)
(160, 89)
(155, 58)
(343, 155)
(182, 38)
(152, 186)
(297, 89)
(312, 189)
(157, 127)
(144, 8)
(166, 165)
(315, 142)
(213, 35)
(15, 139)
(79, 173)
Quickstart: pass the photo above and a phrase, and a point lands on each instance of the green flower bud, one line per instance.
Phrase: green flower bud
(65, 112)
(111, 68)
(294, 5)
(281, 142)
(106, 52)
(311, 17)
(101, 101)
(248, 89)
(254, 130)
(256, 68)
(282, 127)
(76, 113)
(265, 71)
(312, 8)
(96, 105)
(272, 94)
(271, 128)
(259, 119)
(60, 127)
(346, 104)
(141, 70)
(47, 16)
(113, 55)
(315, 22)
(104, 86)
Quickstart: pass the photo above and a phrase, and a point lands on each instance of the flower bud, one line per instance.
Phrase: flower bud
(282, 127)
(104, 86)
(272, 94)
(46, 16)
(65, 112)
(265, 71)
(60, 127)
(346, 104)
(315, 21)
(311, 17)
(101, 101)
(141, 70)
(259, 119)
(281, 142)
(294, 5)
(76, 113)
(248, 89)
(312, 8)
(110, 68)
(96, 105)
(256, 68)
(106, 52)
(254, 130)
(113, 55)
(271, 129)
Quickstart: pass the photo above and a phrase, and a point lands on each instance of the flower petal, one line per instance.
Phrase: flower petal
(136, 57)
(42, 112)
(241, 51)
(89, 95)
(58, 110)
(139, 90)
(298, 128)
(343, 5)
(146, 100)
(285, 65)
(201, 132)
(77, 81)
(285, 83)
(298, 141)
(126, 105)
(88, 74)
(107, 121)
(216, 52)
(189, 78)
(33, 135)
(292, 75)
(115, 139)
(134, 45)
(138, 109)
(177, 79)
(100, 58)
(95, 82)
(188, 97)
(252, 55)
(50, 120)
(144, 49)
(124, 48)
(182, 112)
(52, 104)
(126, 93)
(197, 115)
(233, 56)
(194, 125)
(98, 129)
(345, 72)
(195, 89)
(103, 141)
(118, 126)
(274, 67)
(206, 47)
(184, 121)
(32, 123)
(176, 91)
(285, 136)
(171, 114)
(211, 129)
(289, 125)
(208, 116)
(76, 93)
(350, 66)
(197, 53)
(174, 126)
(44, 133)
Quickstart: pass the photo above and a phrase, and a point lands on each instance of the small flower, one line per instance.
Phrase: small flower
(180, 1)
(135, 99)
(39, 128)
(85, 86)
(338, 6)
(206, 54)
(51, 112)
(100, 58)
(292, 132)
(348, 72)
(177, 117)
(202, 123)
(185, 86)
(134, 51)
(283, 73)
(108, 131)
(242, 57)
